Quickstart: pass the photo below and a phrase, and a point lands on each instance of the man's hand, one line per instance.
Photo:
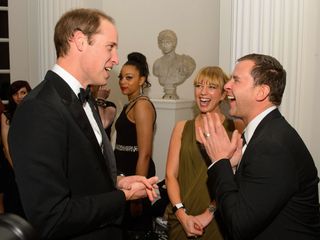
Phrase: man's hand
(216, 141)
(135, 187)
(205, 218)
(235, 159)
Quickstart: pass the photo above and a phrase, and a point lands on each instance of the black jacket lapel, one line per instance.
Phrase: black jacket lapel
(272, 115)
(72, 103)
(107, 149)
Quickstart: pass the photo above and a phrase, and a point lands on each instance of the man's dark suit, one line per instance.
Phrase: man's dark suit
(64, 179)
(274, 193)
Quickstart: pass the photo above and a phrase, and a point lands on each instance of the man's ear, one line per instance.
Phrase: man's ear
(263, 92)
(78, 38)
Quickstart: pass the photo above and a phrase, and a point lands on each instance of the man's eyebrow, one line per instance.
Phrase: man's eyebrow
(114, 44)
(234, 76)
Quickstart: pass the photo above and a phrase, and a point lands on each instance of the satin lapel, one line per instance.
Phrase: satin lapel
(107, 148)
(272, 115)
(71, 101)
(256, 135)
(82, 120)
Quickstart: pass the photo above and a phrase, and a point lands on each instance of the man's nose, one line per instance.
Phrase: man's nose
(227, 85)
(115, 58)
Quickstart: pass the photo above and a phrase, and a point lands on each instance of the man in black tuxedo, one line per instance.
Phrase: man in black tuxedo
(64, 163)
(274, 191)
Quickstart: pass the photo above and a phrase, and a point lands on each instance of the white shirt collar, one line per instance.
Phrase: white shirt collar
(251, 127)
(68, 78)
(75, 86)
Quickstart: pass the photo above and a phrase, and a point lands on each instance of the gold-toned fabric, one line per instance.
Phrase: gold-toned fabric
(192, 181)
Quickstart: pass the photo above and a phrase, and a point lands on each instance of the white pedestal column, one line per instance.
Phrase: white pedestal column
(168, 113)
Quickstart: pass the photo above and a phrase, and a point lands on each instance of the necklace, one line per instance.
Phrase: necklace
(135, 98)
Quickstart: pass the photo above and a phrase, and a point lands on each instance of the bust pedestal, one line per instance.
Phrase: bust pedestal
(168, 113)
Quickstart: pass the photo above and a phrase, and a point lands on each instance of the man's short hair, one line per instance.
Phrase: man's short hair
(82, 19)
(268, 70)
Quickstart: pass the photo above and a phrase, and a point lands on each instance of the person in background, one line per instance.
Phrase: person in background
(18, 90)
(133, 149)
(2, 162)
(274, 192)
(11, 198)
(107, 109)
(64, 163)
(190, 213)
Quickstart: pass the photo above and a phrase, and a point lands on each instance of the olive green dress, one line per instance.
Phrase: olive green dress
(192, 179)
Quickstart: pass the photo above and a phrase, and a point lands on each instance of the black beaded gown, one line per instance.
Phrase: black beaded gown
(127, 153)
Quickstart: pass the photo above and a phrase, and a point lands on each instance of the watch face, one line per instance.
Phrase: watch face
(177, 206)
(212, 208)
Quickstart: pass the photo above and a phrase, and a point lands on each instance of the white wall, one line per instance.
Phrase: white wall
(139, 22)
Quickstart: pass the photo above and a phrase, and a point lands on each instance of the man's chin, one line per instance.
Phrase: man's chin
(103, 81)
(233, 114)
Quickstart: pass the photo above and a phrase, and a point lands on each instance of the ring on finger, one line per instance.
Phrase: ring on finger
(206, 135)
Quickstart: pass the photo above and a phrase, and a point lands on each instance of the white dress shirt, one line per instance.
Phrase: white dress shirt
(251, 127)
(75, 86)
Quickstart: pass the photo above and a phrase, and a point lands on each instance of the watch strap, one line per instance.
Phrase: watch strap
(176, 207)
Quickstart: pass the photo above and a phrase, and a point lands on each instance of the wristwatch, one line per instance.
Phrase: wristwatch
(177, 206)
(101, 102)
(212, 208)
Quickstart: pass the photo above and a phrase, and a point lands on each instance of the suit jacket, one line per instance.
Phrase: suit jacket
(274, 193)
(66, 184)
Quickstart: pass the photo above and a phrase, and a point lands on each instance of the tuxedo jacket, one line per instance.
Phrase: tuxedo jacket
(66, 184)
(274, 192)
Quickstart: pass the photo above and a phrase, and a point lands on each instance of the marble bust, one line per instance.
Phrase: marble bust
(172, 69)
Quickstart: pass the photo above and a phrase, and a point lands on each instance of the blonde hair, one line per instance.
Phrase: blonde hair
(211, 75)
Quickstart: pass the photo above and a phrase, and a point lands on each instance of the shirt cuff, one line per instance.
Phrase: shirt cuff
(212, 164)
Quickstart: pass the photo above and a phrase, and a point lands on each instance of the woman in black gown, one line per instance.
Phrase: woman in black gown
(133, 149)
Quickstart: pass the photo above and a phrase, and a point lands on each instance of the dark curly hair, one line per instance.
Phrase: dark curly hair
(14, 88)
(140, 62)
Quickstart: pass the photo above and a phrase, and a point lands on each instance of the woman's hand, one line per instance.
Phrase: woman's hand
(191, 225)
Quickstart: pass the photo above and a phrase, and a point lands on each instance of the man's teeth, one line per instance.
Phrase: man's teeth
(231, 97)
(108, 69)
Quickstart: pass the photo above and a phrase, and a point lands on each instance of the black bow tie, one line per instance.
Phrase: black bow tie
(244, 142)
(84, 95)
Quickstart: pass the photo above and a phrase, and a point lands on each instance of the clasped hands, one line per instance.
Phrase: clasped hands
(217, 143)
(136, 187)
(194, 226)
